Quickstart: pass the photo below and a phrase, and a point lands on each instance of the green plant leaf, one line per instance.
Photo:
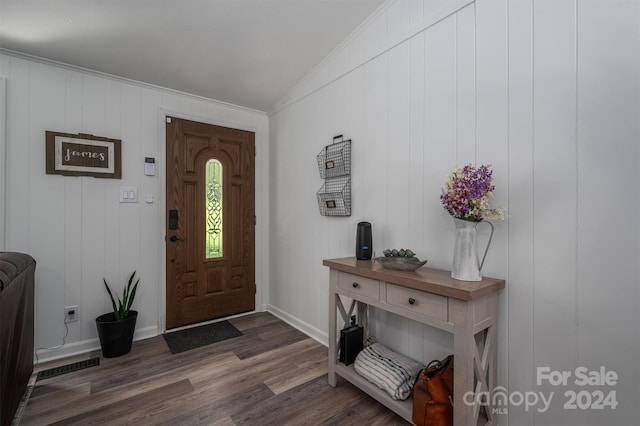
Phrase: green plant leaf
(125, 296)
(132, 295)
(121, 309)
(113, 302)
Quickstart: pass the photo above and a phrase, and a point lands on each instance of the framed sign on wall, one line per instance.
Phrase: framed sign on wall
(83, 155)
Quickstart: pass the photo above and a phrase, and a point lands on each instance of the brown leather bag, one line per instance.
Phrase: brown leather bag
(433, 394)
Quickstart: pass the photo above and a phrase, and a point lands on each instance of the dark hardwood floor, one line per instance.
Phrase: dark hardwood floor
(272, 375)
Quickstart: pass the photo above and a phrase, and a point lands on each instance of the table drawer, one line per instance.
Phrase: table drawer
(360, 285)
(420, 302)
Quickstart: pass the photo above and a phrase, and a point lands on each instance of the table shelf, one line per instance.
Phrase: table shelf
(468, 310)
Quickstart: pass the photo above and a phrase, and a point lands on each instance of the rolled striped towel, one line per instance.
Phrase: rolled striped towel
(390, 371)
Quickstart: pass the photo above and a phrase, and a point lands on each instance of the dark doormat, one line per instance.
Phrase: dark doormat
(191, 338)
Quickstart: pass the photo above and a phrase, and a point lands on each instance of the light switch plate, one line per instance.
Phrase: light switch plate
(128, 194)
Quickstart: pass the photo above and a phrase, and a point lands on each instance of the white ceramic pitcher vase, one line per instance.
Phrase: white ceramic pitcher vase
(466, 266)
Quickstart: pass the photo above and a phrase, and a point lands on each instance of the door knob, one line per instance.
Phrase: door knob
(174, 238)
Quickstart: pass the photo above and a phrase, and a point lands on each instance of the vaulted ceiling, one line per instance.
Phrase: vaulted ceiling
(244, 52)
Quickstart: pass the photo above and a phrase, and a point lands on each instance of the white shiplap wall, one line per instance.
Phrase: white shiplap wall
(75, 227)
(548, 92)
(3, 159)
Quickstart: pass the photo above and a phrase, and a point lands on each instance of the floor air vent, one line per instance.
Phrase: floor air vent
(69, 368)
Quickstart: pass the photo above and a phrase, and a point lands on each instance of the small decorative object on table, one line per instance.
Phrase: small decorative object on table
(466, 197)
(400, 260)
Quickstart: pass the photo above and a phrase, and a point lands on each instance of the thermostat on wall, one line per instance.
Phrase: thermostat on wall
(149, 166)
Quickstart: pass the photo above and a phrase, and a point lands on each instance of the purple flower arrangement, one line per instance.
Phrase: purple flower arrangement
(467, 192)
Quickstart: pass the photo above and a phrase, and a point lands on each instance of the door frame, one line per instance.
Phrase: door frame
(260, 209)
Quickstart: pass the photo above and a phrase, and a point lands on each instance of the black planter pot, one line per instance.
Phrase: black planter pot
(116, 336)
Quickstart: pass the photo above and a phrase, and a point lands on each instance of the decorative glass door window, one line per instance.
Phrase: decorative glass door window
(213, 205)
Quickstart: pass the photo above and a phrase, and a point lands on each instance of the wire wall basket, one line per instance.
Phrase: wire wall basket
(335, 159)
(334, 198)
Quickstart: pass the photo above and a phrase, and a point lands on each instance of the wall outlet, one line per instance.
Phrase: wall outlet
(71, 313)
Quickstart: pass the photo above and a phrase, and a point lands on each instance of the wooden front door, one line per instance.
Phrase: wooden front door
(210, 229)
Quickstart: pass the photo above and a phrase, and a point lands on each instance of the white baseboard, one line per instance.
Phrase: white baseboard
(85, 346)
(319, 335)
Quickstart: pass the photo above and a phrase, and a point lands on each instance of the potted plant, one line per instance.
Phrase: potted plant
(115, 329)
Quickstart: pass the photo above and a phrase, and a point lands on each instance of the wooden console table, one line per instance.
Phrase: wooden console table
(467, 309)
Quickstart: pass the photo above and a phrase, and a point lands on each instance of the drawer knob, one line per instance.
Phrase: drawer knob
(412, 301)
(355, 285)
